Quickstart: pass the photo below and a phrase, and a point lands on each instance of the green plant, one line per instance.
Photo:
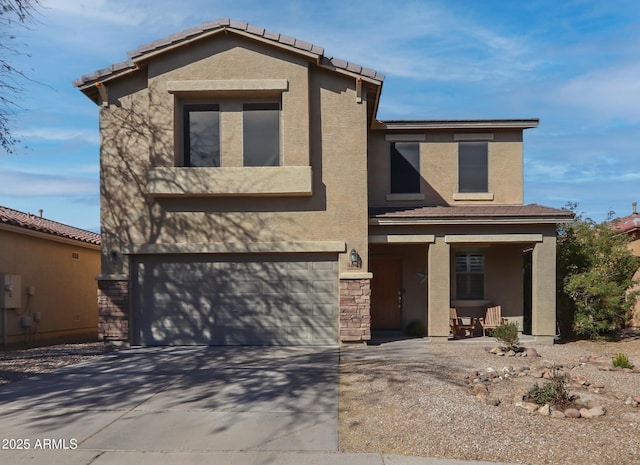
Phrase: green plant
(622, 361)
(554, 392)
(416, 329)
(507, 333)
(595, 273)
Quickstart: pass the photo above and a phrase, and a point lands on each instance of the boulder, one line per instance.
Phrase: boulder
(597, 411)
(531, 352)
(545, 410)
(585, 413)
(480, 389)
(572, 413)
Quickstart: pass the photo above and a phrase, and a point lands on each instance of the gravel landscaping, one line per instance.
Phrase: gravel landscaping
(415, 398)
(424, 403)
(16, 364)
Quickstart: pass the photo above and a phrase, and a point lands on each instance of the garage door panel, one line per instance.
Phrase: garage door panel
(235, 301)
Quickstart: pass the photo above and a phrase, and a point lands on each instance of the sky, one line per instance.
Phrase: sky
(575, 64)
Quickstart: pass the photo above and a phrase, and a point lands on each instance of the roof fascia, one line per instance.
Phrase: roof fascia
(466, 221)
(461, 124)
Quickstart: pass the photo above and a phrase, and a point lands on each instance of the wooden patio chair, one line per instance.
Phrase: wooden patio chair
(458, 328)
(492, 319)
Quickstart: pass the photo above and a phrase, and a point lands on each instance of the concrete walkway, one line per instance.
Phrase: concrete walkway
(188, 405)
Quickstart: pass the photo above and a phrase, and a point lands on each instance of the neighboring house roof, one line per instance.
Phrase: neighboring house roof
(213, 27)
(472, 213)
(32, 222)
(627, 224)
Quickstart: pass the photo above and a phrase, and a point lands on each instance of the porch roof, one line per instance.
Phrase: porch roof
(495, 214)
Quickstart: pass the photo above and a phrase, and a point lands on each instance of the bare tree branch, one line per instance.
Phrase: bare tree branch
(13, 14)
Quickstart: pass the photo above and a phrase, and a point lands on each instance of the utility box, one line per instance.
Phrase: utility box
(10, 290)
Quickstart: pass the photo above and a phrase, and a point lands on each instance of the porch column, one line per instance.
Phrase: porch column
(543, 318)
(439, 289)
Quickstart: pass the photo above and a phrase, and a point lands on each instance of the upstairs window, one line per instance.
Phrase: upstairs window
(473, 168)
(470, 275)
(201, 135)
(405, 167)
(261, 134)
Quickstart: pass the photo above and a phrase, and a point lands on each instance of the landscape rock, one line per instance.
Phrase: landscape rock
(545, 410)
(531, 352)
(572, 413)
(480, 388)
(585, 413)
(557, 414)
(597, 411)
(579, 380)
(530, 407)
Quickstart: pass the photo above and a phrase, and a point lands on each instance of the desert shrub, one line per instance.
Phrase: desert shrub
(554, 392)
(507, 333)
(622, 361)
(416, 329)
(595, 273)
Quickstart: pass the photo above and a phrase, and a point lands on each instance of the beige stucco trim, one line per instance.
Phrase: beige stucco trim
(237, 247)
(401, 239)
(473, 136)
(483, 196)
(228, 85)
(356, 275)
(48, 237)
(491, 238)
(231, 181)
(404, 197)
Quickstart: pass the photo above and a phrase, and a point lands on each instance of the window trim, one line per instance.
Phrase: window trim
(485, 181)
(415, 184)
(187, 108)
(263, 105)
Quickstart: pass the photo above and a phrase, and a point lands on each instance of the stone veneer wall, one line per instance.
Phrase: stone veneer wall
(113, 310)
(355, 310)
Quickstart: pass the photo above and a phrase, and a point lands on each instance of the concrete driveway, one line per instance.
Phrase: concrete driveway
(181, 399)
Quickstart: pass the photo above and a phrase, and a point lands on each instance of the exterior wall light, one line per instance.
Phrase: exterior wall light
(354, 258)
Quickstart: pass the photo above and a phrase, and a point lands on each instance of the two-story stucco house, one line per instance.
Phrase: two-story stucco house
(250, 196)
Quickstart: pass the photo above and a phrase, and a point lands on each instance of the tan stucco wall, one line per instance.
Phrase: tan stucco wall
(320, 121)
(439, 169)
(65, 288)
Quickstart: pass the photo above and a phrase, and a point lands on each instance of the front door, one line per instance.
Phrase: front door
(386, 293)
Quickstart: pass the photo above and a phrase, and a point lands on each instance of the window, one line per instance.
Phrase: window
(405, 167)
(473, 173)
(261, 134)
(469, 275)
(201, 135)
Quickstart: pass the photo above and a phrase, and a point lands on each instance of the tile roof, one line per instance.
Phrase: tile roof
(208, 28)
(37, 223)
(627, 224)
(466, 212)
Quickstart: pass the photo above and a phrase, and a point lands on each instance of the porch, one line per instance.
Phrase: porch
(423, 266)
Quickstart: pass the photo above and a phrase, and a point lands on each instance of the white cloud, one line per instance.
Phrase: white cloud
(612, 93)
(60, 135)
(104, 11)
(18, 183)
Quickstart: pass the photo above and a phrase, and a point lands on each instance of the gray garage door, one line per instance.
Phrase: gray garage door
(235, 300)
